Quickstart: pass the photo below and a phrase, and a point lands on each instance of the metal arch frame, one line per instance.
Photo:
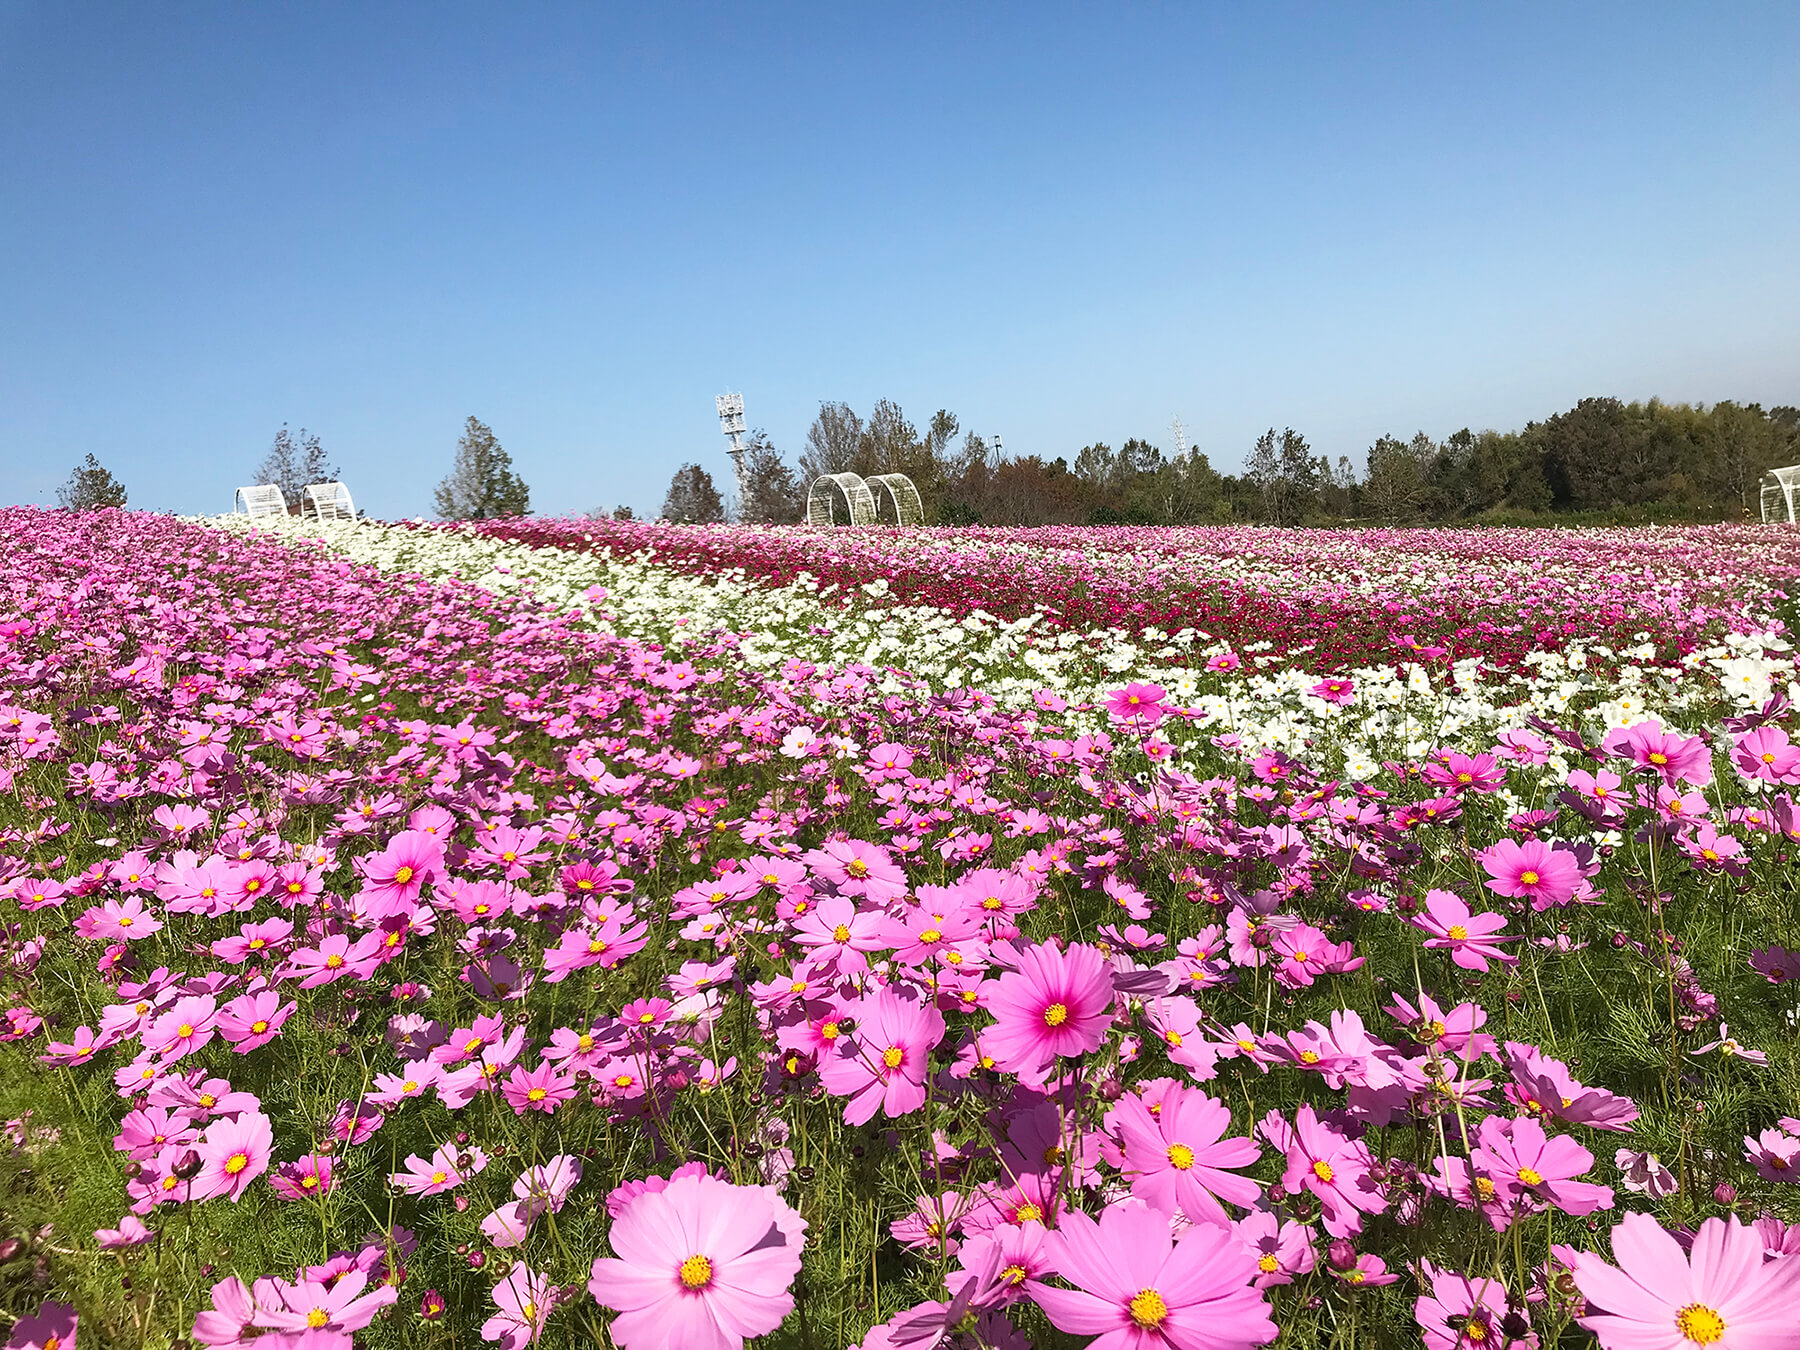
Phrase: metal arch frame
(821, 500)
(909, 507)
(327, 501)
(1780, 489)
(260, 499)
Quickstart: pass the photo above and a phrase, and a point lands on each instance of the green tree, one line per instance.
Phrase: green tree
(90, 487)
(771, 495)
(482, 484)
(692, 498)
(293, 463)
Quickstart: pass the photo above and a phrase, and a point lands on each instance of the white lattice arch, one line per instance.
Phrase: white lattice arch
(902, 497)
(327, 501)
(1781, 495)
(821, 500)
(263, 499)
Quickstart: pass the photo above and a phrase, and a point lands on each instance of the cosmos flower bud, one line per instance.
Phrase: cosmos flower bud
(187, 1166)
(1725, 1193)
(431, 1307)
(1340, 1254)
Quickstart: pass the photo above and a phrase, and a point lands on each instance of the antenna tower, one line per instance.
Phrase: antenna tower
(1180, 440)
(731, 422)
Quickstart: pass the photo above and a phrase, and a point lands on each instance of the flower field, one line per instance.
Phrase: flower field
(577, 933)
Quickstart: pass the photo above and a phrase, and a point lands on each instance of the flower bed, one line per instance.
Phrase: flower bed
(402, 957)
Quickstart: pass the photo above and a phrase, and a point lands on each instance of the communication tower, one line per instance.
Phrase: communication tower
(731, 422)
(1180, 440)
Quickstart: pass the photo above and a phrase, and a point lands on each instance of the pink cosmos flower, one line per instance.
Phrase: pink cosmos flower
(1674, 757)
(1532, 870)
(313, 1306)
(1775, 1155)
(1530, 1169)
(1058, 1002)
(395, 877)
(1137, 1287)
(188, 1026)
(1775, 964)
(1470, 938)
(1463, 1313)
(253, 1020)
(1732, 1048)
(335, 957)
(118, 921)
(1174, 1158)
(1334, 1167)
(445, 1170)
(700, 1263)
(52, 1327)
(1544, 1087)
(859, 868)
(525, 1300)
(1720, 1292)
(233, 1153)
(885, 1065)
(1766, 755)
(541, 1089)
(1281, 1250)
(1139, 704)
(302, 1180)
(131, 1232)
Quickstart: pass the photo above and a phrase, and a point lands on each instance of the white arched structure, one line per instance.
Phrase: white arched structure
(821, 500)
(328, 501)
(1781, 495)
(264, 499)
(902, 498)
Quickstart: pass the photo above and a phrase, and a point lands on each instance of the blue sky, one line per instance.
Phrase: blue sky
(1064, 223)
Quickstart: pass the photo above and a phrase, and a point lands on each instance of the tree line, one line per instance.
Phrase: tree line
(1601, 458)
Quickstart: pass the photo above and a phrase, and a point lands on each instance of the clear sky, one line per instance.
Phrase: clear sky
(1064, 223)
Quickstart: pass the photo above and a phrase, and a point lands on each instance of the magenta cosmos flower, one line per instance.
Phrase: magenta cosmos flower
(1174, 1157)
(1471, 939)
(1719, 1293)
(233, 1153)
(1532, 871)
(1530, 1169)
(1058, 1002)
(701, 1265)
(52, 1327)
(885, 1066)
(1137, 1287)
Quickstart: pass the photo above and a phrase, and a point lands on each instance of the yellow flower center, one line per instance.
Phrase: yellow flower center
(1056, 1014)
(1173, 1038)
(1013, 1274)
(308, 1183)
(1322, 1170)
(403, 875)
(259, 1027)
(439, 1178)
(696, 1272)
(1484, 1188)
(857, 868)
(1700, 1324)
(829, 1031)
(537, 1094)
(930, 935)
(1148, 1309)
(318, 1317)
(1658, 757)
(1028, 1213)
(185, 1030)
(1531, 1176)
(1181, 1157)
(841, 933)
(333, 961)
(1528, 878)
(596, 947)
(1267, 1263)
(236, 1163)
(1458, 932)
(892, 1056)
